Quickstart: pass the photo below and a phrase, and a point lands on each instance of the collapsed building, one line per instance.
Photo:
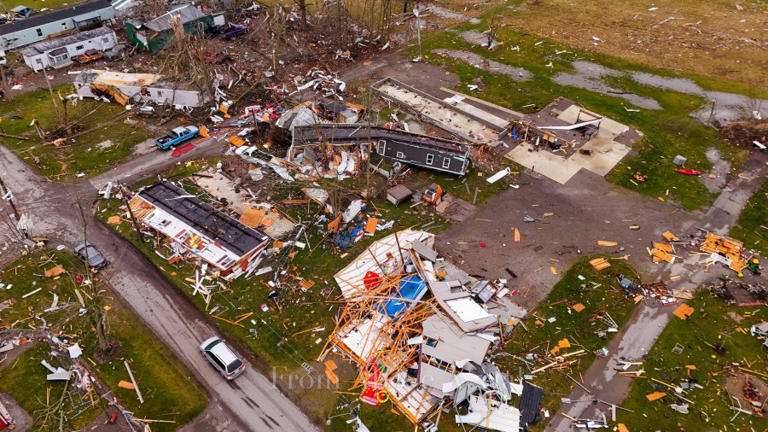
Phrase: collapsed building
(125, 88)
(413, 149)
(310, 113)
(154, 34)
(419, 329)
(452, 115)
(193, 227)
(565, 127)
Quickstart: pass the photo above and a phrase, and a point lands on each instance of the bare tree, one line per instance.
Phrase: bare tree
(95, 309)
(302, 5)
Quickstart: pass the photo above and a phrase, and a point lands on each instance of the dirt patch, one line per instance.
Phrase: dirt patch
(734, 316)
(455, 209)
(569, 219)
(736, 385)
(743, 133)
(145, 147)
(424, 76)
(480, 62)
(113, 348)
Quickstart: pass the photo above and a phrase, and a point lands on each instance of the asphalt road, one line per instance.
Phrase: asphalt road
(249, 403)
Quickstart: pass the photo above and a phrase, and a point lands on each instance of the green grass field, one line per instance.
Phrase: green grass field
(713, 323)
(539, 335)
(169, 391)
(39, 5)
(106, 135)
(668, 132)
(752, 225)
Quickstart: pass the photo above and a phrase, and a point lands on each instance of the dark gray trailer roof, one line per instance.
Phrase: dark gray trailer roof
(216, 225)
(530, 402)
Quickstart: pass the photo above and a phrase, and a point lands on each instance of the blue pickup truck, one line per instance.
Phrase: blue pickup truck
(176, 136)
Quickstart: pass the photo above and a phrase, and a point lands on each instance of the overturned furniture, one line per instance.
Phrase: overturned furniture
(193, 226)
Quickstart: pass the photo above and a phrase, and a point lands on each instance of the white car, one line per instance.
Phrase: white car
(222, 358)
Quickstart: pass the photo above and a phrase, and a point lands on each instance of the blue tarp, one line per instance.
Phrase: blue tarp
(346, 239)
(409, 288)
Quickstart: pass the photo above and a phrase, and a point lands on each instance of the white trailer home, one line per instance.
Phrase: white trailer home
(58, 53)
(26, 31)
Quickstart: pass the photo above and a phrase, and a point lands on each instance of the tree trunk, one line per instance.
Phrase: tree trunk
(4, 85)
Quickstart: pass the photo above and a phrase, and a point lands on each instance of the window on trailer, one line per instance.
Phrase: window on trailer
(430, 159)
(446, 162)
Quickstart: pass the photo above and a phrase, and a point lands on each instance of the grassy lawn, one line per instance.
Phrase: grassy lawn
(168, 390)
(668, 132)
(108, 135)
(714, 323)
(540, 335)
(752, 226)
(38, 5)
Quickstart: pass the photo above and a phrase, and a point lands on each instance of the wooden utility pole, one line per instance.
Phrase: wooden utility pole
(10, 198)
(53, 100)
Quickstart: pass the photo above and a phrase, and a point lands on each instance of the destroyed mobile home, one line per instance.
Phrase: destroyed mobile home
(419, 329)
(153, 35)
(420, 150)
(194, 227)
(141, 88)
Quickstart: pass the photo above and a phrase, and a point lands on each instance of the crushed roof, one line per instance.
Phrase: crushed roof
(187, 13)
(219, 227)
